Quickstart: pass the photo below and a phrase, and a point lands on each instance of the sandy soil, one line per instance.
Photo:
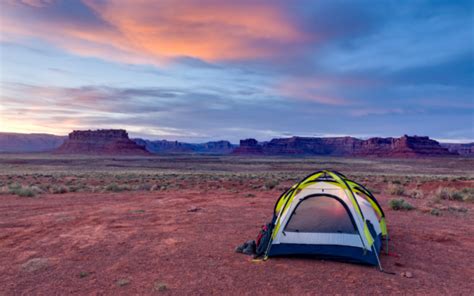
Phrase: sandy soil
(149, 243)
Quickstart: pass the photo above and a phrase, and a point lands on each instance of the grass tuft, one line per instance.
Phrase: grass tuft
(114, 187)
(24, 191)
(160, 287)
(270, 184)
(466, 194)
(395, 189)
(400, 204)
(416, 193)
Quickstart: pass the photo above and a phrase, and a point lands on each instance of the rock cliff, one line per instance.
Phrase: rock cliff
(107, 141)
(405, 146)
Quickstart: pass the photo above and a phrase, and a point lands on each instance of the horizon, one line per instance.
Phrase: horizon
(199, 71)
(131, 136)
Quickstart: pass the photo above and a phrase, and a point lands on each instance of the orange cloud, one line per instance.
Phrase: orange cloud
(146, 31)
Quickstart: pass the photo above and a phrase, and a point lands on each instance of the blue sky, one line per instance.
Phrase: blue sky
(208, 70)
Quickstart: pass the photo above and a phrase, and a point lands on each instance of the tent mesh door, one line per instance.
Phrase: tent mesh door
(321, 214)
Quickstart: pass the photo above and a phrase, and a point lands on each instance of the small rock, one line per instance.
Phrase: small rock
(407, 274)
(399, 264)
(35, 264)
(194, 209)
(122, 282)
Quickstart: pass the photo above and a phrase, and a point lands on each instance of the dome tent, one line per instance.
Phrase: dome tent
(329, 216)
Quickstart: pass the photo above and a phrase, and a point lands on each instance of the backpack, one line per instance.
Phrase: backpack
(263, 239)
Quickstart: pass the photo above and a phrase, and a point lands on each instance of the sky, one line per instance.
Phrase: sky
(208, 70)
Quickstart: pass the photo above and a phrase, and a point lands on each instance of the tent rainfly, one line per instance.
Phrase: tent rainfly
(329, 216)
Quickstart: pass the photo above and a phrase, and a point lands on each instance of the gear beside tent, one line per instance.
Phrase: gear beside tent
(326, 215)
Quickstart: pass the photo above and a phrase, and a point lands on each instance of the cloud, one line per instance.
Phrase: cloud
(322, 89)
(228, 69)
(157, 31)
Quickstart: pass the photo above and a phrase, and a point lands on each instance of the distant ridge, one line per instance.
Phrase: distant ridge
(405, 146)
(465, 149)
(117, 142)
(164, 146)
(16, 142)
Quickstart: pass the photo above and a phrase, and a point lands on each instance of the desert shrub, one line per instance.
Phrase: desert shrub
(116, 187)
(59, 189)
(13, 187)
(24, 191)
(400, 204)
(458, 209)
(466, 194)
(4, 190)
(249, 195)
(73, 188)
(416, 193)
(143, 187)
(395, 189)
(160, 287)
(270, 184)
(435, 212)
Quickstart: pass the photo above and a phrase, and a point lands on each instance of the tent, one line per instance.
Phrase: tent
(329, 216)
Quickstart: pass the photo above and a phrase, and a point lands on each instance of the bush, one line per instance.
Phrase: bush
(116, 188)
(416, 193)
(24, 191)
(271, 184)
(60, 189)
(400, 204)
(160, 287)
(395, 189)
(466, 194)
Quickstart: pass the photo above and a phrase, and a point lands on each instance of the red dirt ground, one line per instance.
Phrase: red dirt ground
(150, 239)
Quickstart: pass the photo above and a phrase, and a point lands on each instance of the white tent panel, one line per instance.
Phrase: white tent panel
(342, 239)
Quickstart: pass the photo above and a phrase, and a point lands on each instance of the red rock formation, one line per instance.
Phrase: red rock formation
(346, 146)
(248, 146)
(405, 146)
(112, 141)
(312, 146)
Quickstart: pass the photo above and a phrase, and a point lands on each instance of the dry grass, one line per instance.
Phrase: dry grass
(395, 189)
(465, 194)
(400, 204)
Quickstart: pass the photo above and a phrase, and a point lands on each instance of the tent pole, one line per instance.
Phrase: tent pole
(377, 256)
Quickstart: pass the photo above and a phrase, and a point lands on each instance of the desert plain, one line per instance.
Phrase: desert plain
(169, 225)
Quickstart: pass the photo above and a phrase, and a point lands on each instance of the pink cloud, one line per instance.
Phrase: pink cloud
(145, 31)
(310, 89)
